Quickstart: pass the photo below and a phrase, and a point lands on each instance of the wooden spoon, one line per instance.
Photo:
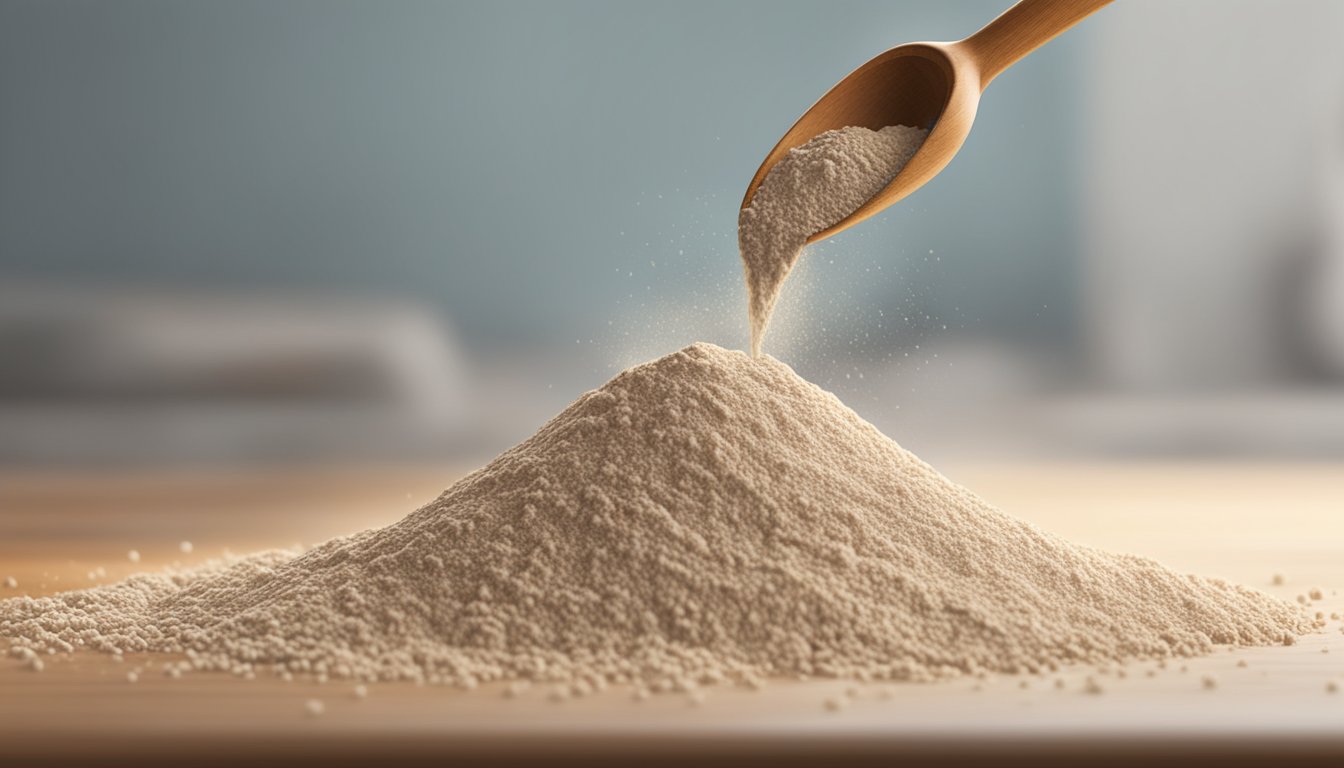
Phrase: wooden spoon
(929, 85)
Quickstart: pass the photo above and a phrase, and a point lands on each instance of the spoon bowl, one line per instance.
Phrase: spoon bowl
(935, 86)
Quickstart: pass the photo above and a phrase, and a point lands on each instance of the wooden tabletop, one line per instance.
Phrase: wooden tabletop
(1245, 522)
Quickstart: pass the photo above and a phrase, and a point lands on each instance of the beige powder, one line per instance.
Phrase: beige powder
(704, 517)
(811, 188)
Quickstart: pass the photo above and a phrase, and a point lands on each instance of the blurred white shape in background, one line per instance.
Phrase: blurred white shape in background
(1214, 264)
(1204, 177)
(108, 375)
(1326, 309)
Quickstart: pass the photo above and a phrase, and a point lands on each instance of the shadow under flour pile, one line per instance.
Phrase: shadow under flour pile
(704, 517)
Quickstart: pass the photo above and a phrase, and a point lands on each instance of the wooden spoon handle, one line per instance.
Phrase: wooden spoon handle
(1021, 30)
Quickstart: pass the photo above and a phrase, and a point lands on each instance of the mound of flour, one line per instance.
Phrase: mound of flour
(705, 517)
(811, 188)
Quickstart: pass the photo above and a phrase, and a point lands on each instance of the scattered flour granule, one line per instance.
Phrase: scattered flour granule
(810, 189)
(707, 517)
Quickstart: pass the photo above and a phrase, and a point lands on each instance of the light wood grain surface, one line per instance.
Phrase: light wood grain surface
(1242, 521)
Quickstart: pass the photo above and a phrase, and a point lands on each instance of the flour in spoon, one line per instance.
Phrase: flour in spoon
(811, 188)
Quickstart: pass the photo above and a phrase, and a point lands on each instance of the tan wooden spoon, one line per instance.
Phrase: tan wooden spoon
(928, 85)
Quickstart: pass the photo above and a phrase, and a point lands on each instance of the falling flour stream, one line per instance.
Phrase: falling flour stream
(810, 189)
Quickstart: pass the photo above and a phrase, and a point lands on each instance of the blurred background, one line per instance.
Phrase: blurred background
(251, 232)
